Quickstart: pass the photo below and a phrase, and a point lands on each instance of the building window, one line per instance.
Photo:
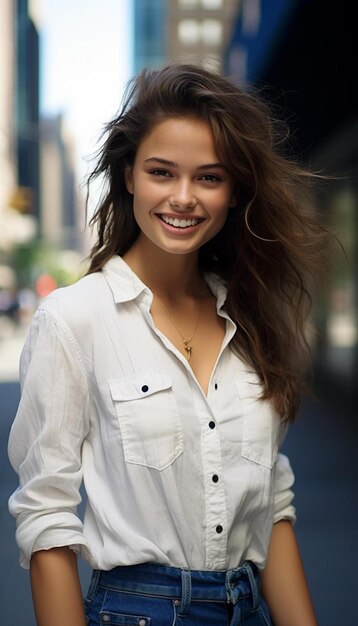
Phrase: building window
(211, 32)
(189, 32)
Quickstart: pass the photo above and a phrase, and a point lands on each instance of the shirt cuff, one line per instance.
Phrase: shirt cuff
(42, 534)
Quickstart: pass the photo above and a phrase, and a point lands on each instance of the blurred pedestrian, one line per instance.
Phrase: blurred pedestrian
(166, 377)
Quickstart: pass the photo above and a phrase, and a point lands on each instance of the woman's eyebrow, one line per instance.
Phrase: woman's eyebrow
(160, 160)
(173, 164)
(209, 166)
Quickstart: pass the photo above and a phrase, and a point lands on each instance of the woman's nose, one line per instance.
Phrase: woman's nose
(182, 195)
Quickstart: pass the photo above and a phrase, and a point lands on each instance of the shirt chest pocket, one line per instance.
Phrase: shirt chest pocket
(261, 425)
(149, 419)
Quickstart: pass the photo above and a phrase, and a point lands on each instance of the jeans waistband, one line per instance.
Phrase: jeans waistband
(186, 585)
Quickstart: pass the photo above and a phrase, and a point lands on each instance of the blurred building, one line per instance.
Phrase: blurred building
(302, 54)
(16, 225)
(27, 110)
(59, 211)
(38, 192)
(181, 30)
(198, 30)
(256, 28)
(150, 18)
(7, 103)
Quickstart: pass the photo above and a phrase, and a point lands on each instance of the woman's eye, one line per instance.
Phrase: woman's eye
(159, 173)
(211, 178)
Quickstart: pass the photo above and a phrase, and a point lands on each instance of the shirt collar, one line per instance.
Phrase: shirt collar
(125, 284)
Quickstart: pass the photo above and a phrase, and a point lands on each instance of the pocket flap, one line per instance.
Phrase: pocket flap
(139, 386)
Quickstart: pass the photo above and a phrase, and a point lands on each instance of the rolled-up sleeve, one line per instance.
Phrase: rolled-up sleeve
(283, 495)
(46, 439)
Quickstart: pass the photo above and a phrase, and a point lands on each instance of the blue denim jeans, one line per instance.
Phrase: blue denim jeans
(157, 595)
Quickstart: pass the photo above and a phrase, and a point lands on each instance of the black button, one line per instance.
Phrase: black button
(145, 388)
(215, 478)
(216, 386)
(219, 529)
(212, 424)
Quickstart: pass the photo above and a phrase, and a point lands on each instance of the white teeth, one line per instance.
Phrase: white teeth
(183, 223)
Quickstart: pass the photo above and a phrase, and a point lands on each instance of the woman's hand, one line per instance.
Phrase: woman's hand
(284, 585)
(56, 589)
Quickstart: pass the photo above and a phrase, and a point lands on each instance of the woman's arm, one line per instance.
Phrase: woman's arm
(284, 585)
(56, 589)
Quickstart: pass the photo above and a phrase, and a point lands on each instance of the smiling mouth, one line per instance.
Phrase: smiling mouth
(180, 223)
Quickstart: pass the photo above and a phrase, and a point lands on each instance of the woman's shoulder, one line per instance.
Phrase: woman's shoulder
(79, 303)
(85, 290)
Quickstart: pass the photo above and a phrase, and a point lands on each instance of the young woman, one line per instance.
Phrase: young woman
(166, 377)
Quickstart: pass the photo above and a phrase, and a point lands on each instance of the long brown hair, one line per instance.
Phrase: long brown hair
(270, 248)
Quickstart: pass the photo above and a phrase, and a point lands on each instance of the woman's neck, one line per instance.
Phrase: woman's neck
(172, 276)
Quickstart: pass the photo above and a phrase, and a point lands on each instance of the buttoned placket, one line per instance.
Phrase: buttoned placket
(215, 493)
(215, 496)
(208, 412)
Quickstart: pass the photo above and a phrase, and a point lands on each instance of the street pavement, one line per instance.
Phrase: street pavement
(322, 447)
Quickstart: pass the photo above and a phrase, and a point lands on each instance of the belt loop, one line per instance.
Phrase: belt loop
(185, 591)
(253, 585)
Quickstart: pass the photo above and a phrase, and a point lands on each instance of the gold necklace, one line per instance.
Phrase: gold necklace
(187, 347)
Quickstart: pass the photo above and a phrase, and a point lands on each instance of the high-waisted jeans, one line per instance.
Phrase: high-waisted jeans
(157, 595)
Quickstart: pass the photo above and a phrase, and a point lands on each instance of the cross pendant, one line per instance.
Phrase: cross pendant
(188, 350)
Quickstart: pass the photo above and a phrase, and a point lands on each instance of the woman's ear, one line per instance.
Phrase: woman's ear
(128, 178)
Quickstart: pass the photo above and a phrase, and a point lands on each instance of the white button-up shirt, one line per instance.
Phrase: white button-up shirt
(172, 476)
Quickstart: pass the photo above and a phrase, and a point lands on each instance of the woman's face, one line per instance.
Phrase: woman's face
(181, 191)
